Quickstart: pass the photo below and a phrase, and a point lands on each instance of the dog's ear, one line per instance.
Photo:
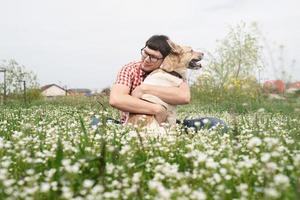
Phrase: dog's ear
(167, 64)
(175, 48)
(171, 62)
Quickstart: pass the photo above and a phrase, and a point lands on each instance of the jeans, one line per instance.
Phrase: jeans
(196, 124)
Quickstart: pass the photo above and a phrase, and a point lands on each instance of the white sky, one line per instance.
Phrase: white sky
(83, 44)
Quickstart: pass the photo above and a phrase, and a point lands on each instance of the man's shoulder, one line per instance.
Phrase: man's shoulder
(135, 65)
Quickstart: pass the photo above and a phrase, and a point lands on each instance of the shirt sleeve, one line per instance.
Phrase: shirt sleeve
(124, 76)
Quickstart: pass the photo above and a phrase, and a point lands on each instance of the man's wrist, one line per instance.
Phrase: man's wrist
(158, 109)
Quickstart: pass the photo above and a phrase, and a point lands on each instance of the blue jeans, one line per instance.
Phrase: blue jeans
(205, 122)
(196, 124)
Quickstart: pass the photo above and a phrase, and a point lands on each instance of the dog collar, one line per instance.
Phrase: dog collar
(174, 73)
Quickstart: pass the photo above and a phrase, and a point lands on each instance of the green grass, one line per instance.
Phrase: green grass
(49, 151)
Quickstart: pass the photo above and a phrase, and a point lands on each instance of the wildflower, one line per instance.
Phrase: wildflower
(2, 141)
(217, 177)
(9, 182)
(66, 192)
(198, 194)
(245, 104)
(45, 187)
(223, 171)
(261, 110)
(88, 183)
(210, 163)
(253, 142)
(6, 163)
(297, 160)
(265, 157)
(136, 177)
(30, 171)
(242, 187)
(185, 189)
(97, 189)
(281, 180)
(271, 166)
(110, 168)
(271, 192)
(125, 149)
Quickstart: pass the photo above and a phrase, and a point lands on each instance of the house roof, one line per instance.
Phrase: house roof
(80, 90)
(45, 87)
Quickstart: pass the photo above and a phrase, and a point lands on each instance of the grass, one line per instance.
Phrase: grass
(48, 150)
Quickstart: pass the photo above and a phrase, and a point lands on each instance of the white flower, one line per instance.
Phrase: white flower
(136, 177)
(272, 192)
(281, 180)
(88, 183)
(110, 168)
(253, 142)
(197, 124)
(242, 187)
(30, 171)
(66, 162)
(265, 157)
(66, 192)
(6, 163)
(261, 110)
(205, 121)
(9, 182)
(45, 187)
(125, 149)
(1, 142)
(198, 194)
(228, 177)
(271, 166)
(224, 161)
(217, 177)
(297, 160)
(223, 171)
(97, 189)
(245, 104)
(210, 163)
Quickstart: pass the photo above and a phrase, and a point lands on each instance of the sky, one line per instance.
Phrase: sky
(83, 43)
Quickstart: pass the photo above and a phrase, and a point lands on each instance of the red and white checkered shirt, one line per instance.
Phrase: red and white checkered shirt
(132, 76)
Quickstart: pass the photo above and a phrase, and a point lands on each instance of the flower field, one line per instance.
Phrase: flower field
(51, 152)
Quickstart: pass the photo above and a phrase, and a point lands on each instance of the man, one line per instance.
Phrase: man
(126, 91)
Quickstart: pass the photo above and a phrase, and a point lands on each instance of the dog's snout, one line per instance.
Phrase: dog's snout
(201, 55)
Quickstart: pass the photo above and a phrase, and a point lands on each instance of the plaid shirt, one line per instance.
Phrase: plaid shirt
(132, 76)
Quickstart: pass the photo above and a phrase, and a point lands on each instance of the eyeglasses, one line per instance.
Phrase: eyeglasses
(151, 57)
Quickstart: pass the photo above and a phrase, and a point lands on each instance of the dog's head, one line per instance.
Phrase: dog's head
(181, 57)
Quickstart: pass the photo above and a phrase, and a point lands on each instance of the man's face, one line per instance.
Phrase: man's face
(152, 59)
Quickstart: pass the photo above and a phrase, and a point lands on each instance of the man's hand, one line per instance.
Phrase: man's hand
(161, 114)
(138, 91)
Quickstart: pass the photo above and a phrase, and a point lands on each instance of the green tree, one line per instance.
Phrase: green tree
(15, 75)
(236, 57)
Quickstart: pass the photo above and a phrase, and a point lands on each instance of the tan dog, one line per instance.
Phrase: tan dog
(171, 73)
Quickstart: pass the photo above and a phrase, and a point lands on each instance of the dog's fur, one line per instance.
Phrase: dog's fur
(180, 58)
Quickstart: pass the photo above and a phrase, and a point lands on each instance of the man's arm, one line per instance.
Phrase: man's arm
(120, 99)
(171, 95)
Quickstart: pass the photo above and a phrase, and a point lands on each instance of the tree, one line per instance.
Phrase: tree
(237, 56)
(16, 74)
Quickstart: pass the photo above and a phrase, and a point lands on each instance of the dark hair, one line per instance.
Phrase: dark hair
(159, 43)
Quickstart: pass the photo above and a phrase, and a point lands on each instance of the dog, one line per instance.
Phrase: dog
(171, 73)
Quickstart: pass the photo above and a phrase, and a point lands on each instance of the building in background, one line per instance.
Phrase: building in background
(80, 92)
(53, 90)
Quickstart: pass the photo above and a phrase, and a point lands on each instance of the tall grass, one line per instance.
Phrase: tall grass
(48, 150)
